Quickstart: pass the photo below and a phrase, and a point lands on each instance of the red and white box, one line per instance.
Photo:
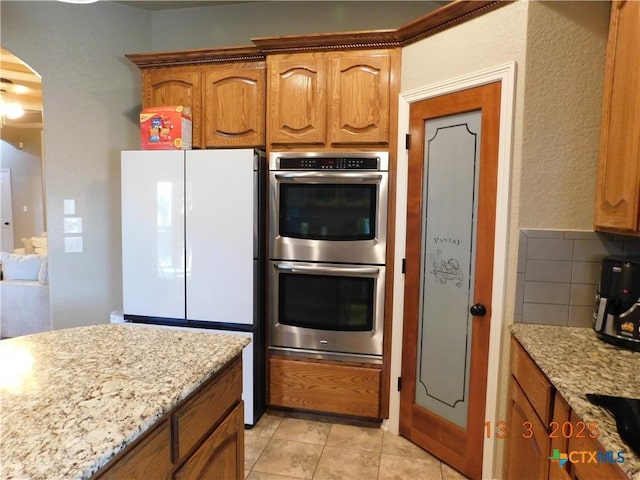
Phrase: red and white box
(166, 128)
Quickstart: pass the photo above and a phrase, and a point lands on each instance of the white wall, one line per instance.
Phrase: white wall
(566, 45)
(91, 104)
(235, 25)
(559, 51)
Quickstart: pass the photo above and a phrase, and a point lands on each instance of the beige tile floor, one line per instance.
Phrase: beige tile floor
(286, 447)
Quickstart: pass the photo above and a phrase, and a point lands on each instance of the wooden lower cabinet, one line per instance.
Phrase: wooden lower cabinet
(200, 438)
(221, 455)
(585, 468)
(204, 409)
(528, 456)
(324, 387)
(529, 415)
(540, 421)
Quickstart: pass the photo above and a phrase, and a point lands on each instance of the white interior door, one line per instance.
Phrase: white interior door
(6, 243)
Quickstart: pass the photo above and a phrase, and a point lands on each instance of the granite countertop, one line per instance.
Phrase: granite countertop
(71, 399)
(577, 362)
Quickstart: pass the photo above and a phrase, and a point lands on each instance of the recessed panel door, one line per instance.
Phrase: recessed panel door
(450, 237)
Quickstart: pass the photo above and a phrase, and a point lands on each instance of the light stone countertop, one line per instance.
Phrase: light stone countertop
(71, 399)
(577, 362)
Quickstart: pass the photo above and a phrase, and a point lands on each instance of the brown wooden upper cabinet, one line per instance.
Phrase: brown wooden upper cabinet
(618, 187)
(226, 100)
(331, 99)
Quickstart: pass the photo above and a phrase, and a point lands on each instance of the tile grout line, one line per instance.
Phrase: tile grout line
(324, 446)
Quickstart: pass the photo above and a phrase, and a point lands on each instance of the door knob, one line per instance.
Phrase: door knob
(6, 223)
(478, 310)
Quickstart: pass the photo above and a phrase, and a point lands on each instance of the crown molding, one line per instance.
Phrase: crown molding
(249, 53)
(445, 17)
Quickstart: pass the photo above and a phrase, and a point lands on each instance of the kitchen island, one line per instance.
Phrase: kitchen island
(84, 401)
(576, 362)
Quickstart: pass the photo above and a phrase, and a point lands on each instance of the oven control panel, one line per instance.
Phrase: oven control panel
(329, 163)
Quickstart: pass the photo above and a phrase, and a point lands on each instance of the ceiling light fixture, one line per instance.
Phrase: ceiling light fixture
(78, 1)
(10, 110)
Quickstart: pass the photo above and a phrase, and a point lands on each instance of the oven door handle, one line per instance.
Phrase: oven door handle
(322, 177)
(315, 270)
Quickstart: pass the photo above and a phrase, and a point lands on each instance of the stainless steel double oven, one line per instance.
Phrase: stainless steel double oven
(327, 250)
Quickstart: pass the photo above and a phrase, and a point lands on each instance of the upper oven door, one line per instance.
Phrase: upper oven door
(330, 216)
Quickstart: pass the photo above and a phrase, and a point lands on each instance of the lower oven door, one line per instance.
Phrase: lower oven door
(327, 310)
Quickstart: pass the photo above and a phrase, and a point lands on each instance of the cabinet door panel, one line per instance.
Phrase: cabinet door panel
(297, 99)
(221, 455)
(234, 105)
(175, 86)
(527, 458)
(359, 98)
(532, 381)
(618, 189)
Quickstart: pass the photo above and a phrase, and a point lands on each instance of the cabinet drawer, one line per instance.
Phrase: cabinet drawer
(532, 381)
(150, 458)
(327, 388)
(207, 407)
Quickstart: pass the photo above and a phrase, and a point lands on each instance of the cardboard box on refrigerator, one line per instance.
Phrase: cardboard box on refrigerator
(165, 128)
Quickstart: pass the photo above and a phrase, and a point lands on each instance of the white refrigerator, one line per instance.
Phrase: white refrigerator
(193, 248)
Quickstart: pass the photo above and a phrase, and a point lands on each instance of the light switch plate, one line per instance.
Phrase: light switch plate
(73, 244)
(69, 206)
(73, 225)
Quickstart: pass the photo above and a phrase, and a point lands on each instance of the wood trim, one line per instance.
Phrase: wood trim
(394, 93)
(372, 39)
(201, 56)
(436, 21)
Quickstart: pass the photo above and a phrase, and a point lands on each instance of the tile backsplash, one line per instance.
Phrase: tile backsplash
(558, 274)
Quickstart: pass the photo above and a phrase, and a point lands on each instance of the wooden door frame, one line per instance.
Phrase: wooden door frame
(506, 74)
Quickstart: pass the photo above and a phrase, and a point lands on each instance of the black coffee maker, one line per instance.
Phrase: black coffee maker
(616, 314)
